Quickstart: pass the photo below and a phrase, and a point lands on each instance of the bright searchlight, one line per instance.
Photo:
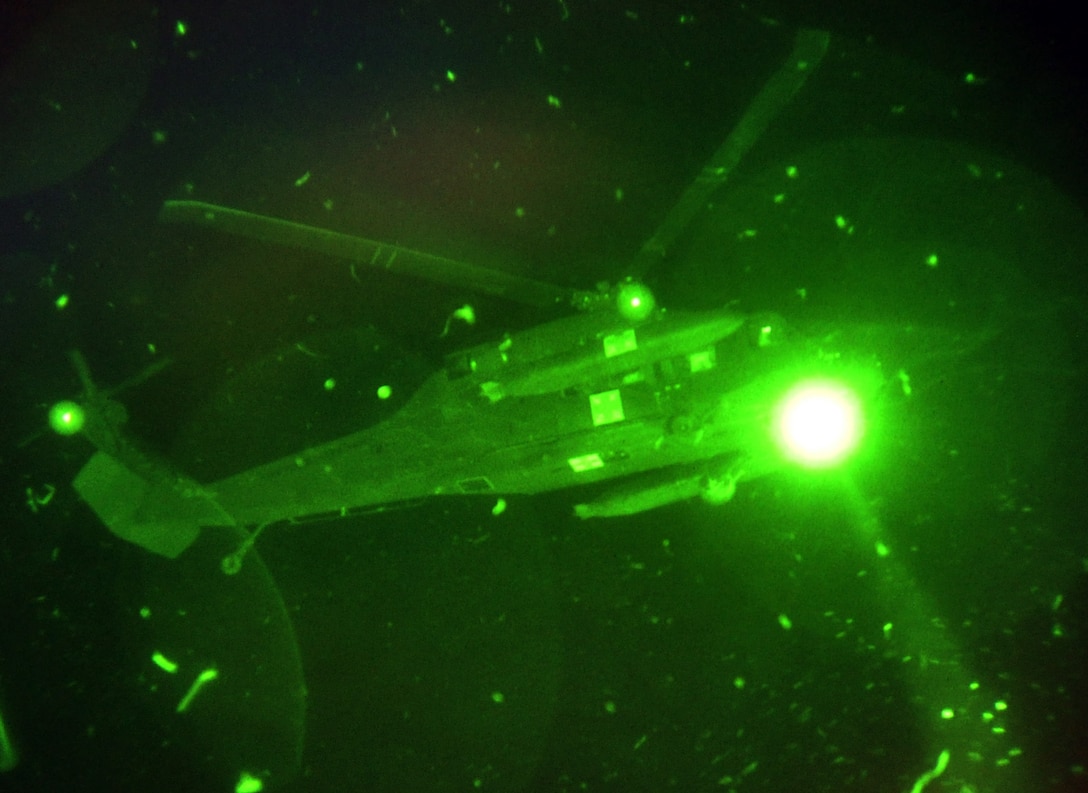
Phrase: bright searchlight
(818, 423)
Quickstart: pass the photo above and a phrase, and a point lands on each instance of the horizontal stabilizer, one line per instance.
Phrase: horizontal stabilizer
(163, 517)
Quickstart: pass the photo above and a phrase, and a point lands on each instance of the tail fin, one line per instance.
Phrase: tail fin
(163, 515)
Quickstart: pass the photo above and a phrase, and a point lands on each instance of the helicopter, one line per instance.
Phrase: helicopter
(670, 405)
(626, 404)
(650, 406)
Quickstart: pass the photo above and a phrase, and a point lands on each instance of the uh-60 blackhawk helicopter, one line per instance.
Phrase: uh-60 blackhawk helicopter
(862, 270)
(662, 405)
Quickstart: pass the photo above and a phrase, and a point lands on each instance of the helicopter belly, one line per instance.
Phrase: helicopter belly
(441, 445)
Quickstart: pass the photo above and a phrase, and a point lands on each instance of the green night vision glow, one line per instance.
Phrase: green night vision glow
(9, 758)
(635, 301)
(66, 418)
(818, 423)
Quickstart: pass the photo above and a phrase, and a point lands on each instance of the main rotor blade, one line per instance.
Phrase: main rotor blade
(809, 48)
(383, 256)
